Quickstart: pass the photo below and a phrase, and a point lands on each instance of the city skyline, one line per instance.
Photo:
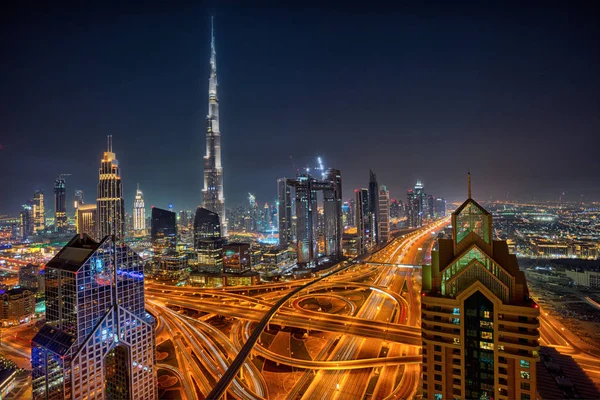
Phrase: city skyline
(509, 94)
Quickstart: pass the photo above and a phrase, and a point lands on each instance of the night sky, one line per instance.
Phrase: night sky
(511, 94)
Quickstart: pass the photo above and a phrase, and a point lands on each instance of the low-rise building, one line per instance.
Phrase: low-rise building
(17, 306)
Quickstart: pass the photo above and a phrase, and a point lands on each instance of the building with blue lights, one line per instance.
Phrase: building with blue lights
(98, 341)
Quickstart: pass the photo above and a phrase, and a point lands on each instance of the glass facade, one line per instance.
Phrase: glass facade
(85, 322)
(479, 347)
(472, 219)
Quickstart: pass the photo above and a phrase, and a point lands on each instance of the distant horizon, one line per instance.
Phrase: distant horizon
(407, 92)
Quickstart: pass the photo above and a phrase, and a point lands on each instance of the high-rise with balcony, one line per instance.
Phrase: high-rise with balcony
(479, 326)
(110, 203)
(98, 341)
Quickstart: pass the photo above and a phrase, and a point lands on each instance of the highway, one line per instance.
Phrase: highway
(376, 342)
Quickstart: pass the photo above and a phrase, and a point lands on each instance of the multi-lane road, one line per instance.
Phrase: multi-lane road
(372, 351)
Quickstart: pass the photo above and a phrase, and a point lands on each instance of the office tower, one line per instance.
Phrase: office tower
(440, 207)
(284, 212)
(431, 207)
(236, 258)
(479, 326)
(39, 213)
(60, 205)
(384, 214)
(305, 218)
(98, 340)
(110, 203)
(352, 212)
(363, 221)
(139, 213)
(396, 209)
(212, 194)
(374, 206)
(332, 212)
(26, 222)
(183, 219)
(86, 220)
(416, 205)
(207, 240)
(163, 231)
(78, 199)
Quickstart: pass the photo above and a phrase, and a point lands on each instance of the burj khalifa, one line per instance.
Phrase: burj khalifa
(212, 194)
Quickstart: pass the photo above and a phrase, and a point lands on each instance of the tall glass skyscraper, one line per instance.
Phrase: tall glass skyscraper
(110, 203)
(212, 194)
(207, 240)
(98, 341)
(60, 204)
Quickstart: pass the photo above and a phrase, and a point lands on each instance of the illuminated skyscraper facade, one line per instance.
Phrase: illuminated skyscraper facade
(212, 194)
(284, 213)
(373, 207)
(98, 341)
(110, 203)
(208, 242)
(139, 213)
(306, 228)
(26, 222)
(384, 214)
(39, 213)
(60, 205)
(479, 326)
(78, 199)
(364, 234)
(86, 220)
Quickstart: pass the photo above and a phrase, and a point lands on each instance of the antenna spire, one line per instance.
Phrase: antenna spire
(469, 184)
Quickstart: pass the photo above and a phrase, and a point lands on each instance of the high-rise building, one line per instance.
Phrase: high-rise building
(86, 220)
(431, 207)
(60, 205)
(98, 340)
(308, 226)
(39, 213)
(384, 214)
(440, 207)
(332, 213)
(26, 222)
(416, 205)
(363, 221)
(212, 194)
(374, 206)
(284, 213)
(78, 199)
(139, 213)
(183, 219)
(110, 202)
(396, 209)
(208, 242)
(164, 231)
(479, 325)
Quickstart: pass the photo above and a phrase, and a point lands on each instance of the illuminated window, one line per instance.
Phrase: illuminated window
(487, 346)
(486, 324)
(486, 335)
(437, 396)
(456, 311)
(525, 375)
(456, 341)
(472, 219)
(524, 363)
(456, 321)
(500, 347)
(486, 314)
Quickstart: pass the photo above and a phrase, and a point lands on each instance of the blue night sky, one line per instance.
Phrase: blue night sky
(510, 93)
